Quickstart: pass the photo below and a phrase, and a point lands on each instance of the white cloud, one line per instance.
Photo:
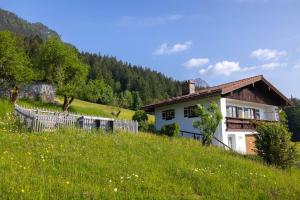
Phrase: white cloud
(225, 68)
(273, 65)
(268, 54)
(171, 49)
(131, 21)
(195, 62)
(297, 66)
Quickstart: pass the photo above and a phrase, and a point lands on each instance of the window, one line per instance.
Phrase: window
(257, 114)
(190, 111)
(251, 113)
(234, 111)
(168, 114)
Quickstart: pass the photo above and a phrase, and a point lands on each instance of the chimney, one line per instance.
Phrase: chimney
(188, 87)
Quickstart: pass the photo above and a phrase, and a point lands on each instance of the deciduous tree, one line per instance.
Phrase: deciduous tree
(60, 65)
(209, 121)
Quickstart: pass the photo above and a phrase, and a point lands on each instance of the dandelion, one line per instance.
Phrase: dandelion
(122, 177)
(110, 180)
(116, 190)
(136, 175)
(67, 182)
(22, 190)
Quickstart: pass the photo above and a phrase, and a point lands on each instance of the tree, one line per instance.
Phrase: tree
(273, 144)
(293, 116)
(60, 65)
(128, 101)
(136, 101)
(142, 118)
(15, 67)
(209, 121)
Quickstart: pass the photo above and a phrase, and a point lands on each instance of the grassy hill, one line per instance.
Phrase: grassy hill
(76, 165)
(84, 107)
(71, 164)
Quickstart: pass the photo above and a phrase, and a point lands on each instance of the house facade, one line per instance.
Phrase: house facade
(241, 102)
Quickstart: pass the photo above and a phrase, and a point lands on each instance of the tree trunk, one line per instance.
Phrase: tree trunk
(67, 103)
(14, 95)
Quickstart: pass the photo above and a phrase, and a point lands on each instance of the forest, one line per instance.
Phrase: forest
(90, 77)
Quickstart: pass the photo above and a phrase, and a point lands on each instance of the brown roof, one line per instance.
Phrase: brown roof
(217, 90)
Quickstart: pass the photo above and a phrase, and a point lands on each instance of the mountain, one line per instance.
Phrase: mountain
(200, 83)
(10, 21)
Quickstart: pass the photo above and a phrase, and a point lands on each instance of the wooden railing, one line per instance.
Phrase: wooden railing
(241, 124)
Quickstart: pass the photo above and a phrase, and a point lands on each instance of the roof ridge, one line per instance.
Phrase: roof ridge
(230, 83)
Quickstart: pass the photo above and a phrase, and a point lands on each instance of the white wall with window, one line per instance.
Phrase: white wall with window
(249, 110)
(182, 113)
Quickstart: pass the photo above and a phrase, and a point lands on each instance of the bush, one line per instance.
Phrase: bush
(142, 118)
(140, 115)
(171, 130)
(273, 144)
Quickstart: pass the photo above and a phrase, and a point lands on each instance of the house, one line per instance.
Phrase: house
(240, 102)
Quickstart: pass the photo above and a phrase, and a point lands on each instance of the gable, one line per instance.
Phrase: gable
(258, 92)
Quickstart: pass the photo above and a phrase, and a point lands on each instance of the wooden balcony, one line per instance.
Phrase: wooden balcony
(240, 124)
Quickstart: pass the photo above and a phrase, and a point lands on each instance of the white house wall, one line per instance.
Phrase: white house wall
(186, 124)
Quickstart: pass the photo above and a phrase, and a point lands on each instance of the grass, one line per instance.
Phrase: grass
(72, 164)
(84, 107)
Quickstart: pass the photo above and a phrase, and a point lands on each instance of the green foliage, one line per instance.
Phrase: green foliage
(273, 144)
(60, 65)
(150, 85)
(283, 118)
(293, 116)
(15, 67)
(126, 99)
(171, 130)
(142, 118)
(98, 92)
(136, 101)
(209, 121)
(140, 115)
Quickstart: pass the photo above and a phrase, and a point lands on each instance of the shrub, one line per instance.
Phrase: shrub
(171, 130)
(142, 118)
(273, 144)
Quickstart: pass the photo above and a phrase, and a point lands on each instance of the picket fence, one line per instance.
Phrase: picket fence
(38, 120)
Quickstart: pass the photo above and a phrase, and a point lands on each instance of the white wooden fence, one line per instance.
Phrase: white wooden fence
(42, 121)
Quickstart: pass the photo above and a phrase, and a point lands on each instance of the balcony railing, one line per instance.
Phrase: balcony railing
(241, 124)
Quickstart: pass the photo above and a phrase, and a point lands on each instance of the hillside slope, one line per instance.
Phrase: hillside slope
(75, 165)
(10, 21)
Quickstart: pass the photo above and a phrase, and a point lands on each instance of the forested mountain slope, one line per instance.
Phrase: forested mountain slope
(10, 21)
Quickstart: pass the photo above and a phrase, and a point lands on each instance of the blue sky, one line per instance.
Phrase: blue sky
(216, 40)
